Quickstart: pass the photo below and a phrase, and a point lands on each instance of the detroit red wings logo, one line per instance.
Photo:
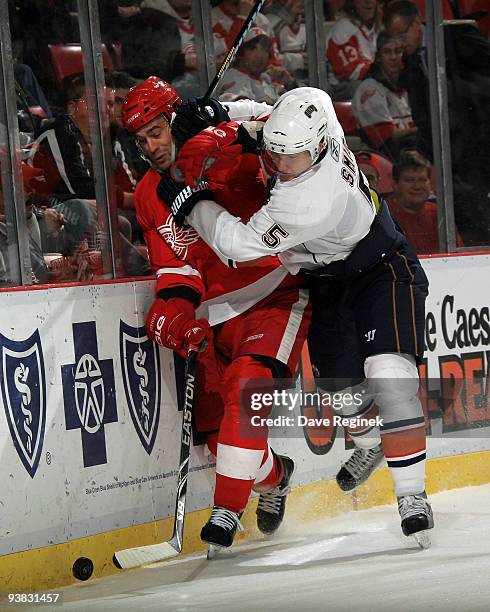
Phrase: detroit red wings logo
(178, 238)
(369, 93)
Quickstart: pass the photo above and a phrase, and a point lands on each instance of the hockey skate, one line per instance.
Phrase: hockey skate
(357, 469)
(271, 506)
(219, 531)
(417, 519)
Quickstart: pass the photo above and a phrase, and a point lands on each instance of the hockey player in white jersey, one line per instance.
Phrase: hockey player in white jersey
(322, 221)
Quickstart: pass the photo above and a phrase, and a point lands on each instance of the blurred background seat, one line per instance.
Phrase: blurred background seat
(385, 174)
(345, 116)
(68, 59)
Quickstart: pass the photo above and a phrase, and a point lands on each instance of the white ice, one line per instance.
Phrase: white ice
(359, 561)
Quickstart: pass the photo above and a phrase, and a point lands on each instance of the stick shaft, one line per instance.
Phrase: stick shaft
(247, 24)
(185, 446)
(140, 555)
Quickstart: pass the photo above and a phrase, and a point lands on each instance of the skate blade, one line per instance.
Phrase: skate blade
(422, 539)
(213, 550)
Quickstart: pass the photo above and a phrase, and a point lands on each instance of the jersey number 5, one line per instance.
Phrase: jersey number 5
(273, 235)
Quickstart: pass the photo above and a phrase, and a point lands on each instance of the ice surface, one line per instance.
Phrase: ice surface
(357, 562)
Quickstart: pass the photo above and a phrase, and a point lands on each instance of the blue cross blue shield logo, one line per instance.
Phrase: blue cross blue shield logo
(89, 394)
(23, 384)
(140, 364)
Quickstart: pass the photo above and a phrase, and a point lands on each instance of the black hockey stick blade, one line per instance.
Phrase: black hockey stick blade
(152, 553)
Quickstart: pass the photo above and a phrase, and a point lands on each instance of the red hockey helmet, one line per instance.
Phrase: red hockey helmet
(146, 101)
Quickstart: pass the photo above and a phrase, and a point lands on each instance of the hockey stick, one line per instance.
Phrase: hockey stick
(237, 43)
(140, 555)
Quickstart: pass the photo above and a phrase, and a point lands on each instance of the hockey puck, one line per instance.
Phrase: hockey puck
(83, 568)
(116, 562)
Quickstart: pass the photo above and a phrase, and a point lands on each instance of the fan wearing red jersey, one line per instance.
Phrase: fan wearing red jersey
(410, 204)
(351, 43)
(254, 323)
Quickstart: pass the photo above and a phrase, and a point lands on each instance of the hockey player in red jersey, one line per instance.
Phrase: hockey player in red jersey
(254, 322)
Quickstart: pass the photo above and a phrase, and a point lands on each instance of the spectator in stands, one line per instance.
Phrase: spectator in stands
(468, 81)
(39, 269)
(150, 39)
(67, 145)
(130, 167)
(187, 83)
(227, 19)
(369, 167)
(351, 46)
(410, 204)
(380, 105)
(128, 163)
(55, 253)
(251, 76)
(287, 20)
(34, 94)
(72, 134)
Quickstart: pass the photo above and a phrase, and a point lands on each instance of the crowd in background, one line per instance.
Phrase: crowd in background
(377, 67)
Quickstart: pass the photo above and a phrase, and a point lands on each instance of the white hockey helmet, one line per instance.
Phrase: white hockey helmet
(299, 122)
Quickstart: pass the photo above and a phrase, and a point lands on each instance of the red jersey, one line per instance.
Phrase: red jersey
(180, 258)
(420, 227)
(351, 49)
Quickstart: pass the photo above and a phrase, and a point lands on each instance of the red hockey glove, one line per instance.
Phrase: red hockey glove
(213, 146)
(171, 323)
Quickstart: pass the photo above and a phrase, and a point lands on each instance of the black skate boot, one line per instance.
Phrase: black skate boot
(416, 515)
(357, 469)
(219, 531)
(271, 506)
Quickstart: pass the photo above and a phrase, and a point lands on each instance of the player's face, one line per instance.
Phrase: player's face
(413, 187)
(366, 9)
(288, 167)
(390, 58)
(155, 140)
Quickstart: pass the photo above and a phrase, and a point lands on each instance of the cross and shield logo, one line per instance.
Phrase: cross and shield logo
(23, 385)
(140, 364)
(89, 393)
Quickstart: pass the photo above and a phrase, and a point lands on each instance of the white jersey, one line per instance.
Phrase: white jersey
(314, 219)
(226, 26)
(291, 40)
(237, 84)
(245, 110)
(375, 104)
